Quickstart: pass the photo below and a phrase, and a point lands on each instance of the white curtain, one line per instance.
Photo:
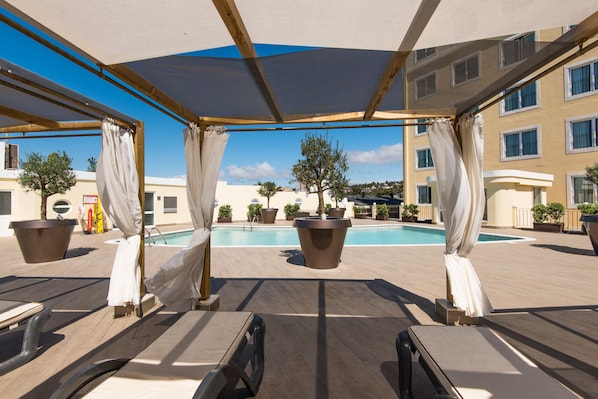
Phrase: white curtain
(177, 282)
(459, 170)
(118, 187)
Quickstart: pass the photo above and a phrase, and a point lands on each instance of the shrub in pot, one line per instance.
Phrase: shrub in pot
(548, 217)
(589, 215)
(382, 212)
(291, 210)
(409, 213)
(254, 212)
(225, 214)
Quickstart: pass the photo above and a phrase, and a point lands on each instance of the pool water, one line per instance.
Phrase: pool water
(258, 236)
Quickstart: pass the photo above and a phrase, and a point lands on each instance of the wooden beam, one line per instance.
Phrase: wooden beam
(418, 23)
(234, 23)
(27, 117)
(568, 41)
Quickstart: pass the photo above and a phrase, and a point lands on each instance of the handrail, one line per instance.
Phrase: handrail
(151, 240)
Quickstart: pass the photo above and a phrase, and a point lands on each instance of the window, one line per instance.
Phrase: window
(425, 86)
(465, 70)
(520, 145)
(424, 194)
(582, 190)
(170, 204)
(525, 98)
(517, 49)
(5, 203)
(582, 79)
(422, 128)
(582, 135)
(424, 53)
(424, 159)
(61, 207)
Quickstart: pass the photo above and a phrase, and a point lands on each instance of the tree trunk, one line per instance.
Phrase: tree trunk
(321, 206)
(43, 212)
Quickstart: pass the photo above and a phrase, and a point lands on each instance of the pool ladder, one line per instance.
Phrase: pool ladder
(253, 219)
(151, 238)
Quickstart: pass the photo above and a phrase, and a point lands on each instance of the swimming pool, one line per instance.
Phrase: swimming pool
(380, 235)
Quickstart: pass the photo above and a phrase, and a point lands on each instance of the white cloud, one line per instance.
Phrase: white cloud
(255, 172)
(385, 154)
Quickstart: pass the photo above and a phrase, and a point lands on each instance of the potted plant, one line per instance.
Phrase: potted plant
(323, 165)
(360, 212)
(337, 192)
(589, 215)
(254, 212)
(548, 217)
(45, 240)
(268, 189)
(225, 214)
(409, 213)
(382, 212)
(291, 210)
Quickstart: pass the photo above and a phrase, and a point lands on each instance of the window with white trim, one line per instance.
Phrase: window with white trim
(422, 128)
(520, 144)
(425, 86)
(581, 79)
(170, 204)
(581, 190)
(424, 53)
(424, 159)
(466, 69)
(517, 49)
(582, 134)
(424, 194)
(520, 100)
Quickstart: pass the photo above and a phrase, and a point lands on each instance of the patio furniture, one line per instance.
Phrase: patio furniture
(199, 356)
(472, 362)
(14, 314)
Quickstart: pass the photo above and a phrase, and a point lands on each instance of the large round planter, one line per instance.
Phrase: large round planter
(337, 212)
(269, 215)
(591, 224)
(43, 240)
(322, 241)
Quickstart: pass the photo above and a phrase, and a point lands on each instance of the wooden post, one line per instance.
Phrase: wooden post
(139, 141)
(205, 288)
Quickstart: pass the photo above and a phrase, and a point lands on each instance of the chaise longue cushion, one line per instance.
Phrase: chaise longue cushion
(14, 312)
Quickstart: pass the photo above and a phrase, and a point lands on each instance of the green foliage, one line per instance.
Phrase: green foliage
(592, 173)
(254, 210)
(539, 213)
(588, 209)
(225, 211)
(47, 175)
(291, 209)
(267, 189)
(382, 209)
(359, 210)
(338, 190)
(323, 166)
(92, 163)
(410, 210)
(555, 211)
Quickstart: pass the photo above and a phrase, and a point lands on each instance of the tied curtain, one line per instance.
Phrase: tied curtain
(460, 179)
(177, 282)
(118, 188)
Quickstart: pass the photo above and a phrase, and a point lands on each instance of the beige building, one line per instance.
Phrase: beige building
(165, 199)
(538, 139)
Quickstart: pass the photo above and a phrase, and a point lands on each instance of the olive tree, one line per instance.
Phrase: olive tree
(323, 166)
(267, 189)
(47, 176)
(592, 173)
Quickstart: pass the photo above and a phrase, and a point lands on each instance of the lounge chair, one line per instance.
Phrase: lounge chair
(472, 362)
(199, 356)
(14, 314)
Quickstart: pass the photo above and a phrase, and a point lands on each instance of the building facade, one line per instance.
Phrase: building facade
(538, 139)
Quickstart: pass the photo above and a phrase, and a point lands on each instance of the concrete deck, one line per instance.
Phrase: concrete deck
(544, 291)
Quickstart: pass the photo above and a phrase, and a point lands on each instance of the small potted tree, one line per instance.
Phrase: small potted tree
(337, 192)
(409, 213)
(589, 215)
(268, 189)
(225, 214)
(382, 212)
(291, 210)
(548, 217)
(323, 165)
(45, 240)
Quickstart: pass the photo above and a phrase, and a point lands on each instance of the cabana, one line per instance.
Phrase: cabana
(273, 62)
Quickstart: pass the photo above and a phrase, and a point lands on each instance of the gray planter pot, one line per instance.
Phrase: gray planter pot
(322, 241)
(591, 224)
(337, 212)
(43, 240)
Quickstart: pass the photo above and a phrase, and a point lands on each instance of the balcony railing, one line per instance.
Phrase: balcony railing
(523, 218)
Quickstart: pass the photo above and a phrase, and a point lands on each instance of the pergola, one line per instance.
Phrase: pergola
(226, 62)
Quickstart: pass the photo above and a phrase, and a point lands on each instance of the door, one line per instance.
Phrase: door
(148, 212)
(5, 213)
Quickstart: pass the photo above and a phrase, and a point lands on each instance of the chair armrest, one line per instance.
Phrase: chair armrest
(86, 375)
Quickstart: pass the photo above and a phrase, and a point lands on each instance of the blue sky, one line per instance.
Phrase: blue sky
(374, 154)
